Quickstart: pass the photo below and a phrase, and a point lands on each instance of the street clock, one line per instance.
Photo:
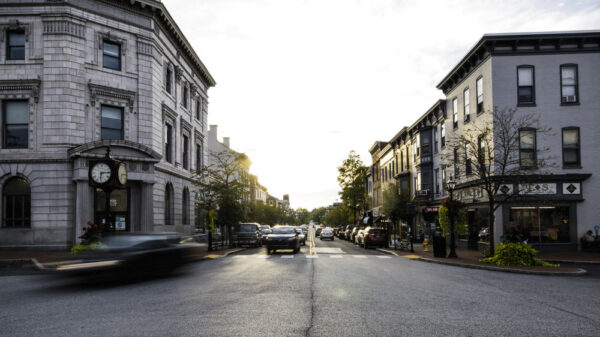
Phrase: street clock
(122, 174)
(101, 173)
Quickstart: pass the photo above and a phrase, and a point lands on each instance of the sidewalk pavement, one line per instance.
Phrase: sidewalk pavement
(470, 259)
(15, 262)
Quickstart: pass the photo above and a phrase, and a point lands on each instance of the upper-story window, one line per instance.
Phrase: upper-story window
(456, 169)
(455, 112)
(186, 95)
(15, 45)
(443, 135)
(480, 150)
(199, 109)
(527, 148)
(467, 105)
(111, 122)
(169, 81)
(199, 156)
(468, 163)
(185, 153)
(169, 144)
(526, 85)
(111, 55)
(569, 92)
(571, 147)
(15, 124)
(479, 92)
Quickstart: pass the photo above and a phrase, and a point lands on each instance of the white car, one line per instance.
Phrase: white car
(327, 233)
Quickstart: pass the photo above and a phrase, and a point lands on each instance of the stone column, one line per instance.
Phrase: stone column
(146, 207)
(84, 208)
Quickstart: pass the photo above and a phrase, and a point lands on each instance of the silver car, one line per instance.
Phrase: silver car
(301, 235)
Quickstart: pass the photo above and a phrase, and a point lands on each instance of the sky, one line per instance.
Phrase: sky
(301, 83)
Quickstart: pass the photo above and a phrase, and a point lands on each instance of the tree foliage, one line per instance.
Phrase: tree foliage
(351, 177)
(394, 205)
(339, 216)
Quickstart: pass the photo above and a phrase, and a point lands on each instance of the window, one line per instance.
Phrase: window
(542, 224)
(111, 122)
(569, 84)
(526, 85)
(199, 156)
(185, 153)
(15, 45)
(111, 55)
(481, 153)
(468, 164)
(527, 146)
(466, 110)
(456, 169)
(436, 181)
(443, 135)
(199, 109)
(15, 124)
(169, 81)
(435, 140)
(571, 147)
(443, 179)
(455, 112)
(185, 217)
(16, 203)
(479, 93)
(186, 95)
(169, 144)
(168, 204)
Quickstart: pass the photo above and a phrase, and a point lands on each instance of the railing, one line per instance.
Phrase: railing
(424, 159)
(422, 193)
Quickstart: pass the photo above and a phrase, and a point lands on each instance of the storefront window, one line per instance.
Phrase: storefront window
(544, 224)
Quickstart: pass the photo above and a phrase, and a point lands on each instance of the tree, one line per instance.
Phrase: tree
(223, 184)
(394, 205)
(339, 216)
(318, 214)
(302, 216)
(487, 156)
(351, 177)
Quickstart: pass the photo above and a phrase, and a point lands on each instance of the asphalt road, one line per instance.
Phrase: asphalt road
(333, 289)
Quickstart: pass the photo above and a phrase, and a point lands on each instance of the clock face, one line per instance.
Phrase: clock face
(122, 174)
(101, 173)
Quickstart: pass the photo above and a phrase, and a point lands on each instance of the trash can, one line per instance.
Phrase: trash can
(439, 245)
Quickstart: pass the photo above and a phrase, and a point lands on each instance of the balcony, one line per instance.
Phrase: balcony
(424, 159)
(423, 193)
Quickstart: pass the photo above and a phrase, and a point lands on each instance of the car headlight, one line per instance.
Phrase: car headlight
(291, 239)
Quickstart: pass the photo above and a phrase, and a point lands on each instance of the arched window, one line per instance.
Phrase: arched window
(16, 203)
(169, 204)
(186, 207)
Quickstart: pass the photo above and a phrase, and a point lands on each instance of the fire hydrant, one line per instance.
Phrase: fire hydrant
(426, 245)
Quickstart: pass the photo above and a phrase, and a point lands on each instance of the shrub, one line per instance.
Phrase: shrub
(82, 248)
(460, 221)
(516, 254)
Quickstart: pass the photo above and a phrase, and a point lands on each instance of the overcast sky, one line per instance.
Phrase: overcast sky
(300, 83)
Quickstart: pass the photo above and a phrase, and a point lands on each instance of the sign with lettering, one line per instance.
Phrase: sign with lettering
(537, 188)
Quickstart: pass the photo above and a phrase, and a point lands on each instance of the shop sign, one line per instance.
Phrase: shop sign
(113, 202)
(506, 189)
(537, 188)
(432, 209)
(571, 188)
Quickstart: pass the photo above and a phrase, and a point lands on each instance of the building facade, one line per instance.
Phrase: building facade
(77, 78)
(553, 76)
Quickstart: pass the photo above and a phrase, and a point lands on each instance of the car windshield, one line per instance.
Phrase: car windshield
(283, 230)
(327, 231)
(247, 228)
(127, 241)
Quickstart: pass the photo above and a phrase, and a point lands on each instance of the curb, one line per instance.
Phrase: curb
(581, 272)
(204, 258)
(574, 262)
(385, 251)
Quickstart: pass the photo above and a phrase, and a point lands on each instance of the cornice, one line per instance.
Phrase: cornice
(28, 85)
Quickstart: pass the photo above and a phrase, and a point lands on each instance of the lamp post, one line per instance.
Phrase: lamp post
(450, 185)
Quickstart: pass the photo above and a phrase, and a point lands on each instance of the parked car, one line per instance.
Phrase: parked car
(348, 232)
(353, 233)
(327, 233)
(301, 236)
(265, 230)
(374, 236)
(246, 234)
(283, 237)
(318, 231)
(130, 254)
(341, 234)
(358, 237)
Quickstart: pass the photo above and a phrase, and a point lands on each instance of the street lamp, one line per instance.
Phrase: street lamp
(450, 185)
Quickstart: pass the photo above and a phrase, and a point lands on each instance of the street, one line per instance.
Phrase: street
(333, 288)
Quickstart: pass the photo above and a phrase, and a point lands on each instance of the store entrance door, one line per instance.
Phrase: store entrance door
(119, 210)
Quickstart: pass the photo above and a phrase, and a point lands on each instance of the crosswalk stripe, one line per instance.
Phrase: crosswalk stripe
(287, 256)
(336, 256)
(312, 256)
(360, 256)
(384, 257)
(240, 256)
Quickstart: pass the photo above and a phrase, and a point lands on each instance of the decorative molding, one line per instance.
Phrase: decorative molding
(178, 74)
(144, 48)
(64, 26)
(168, 113)
(100, 37)
(193, 90)
(185, 125)
(199, 136)
(120, 94)
(32, 87)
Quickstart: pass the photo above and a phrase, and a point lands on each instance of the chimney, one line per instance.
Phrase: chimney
(212, 132)
(226, 141)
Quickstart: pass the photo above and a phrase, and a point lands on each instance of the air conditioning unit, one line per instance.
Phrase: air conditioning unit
(570, 99)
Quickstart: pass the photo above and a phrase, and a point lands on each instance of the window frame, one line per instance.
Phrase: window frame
(578, 149)
(122, 121)
(443, 136)
(466, 105)
(9, 47)
(456, 168)
(533, 96)
(25, 218)
(534, 150)
(199, 156)
(185, 95)
(168, 143)
(4, 124)
(576, 85)
(119, 58)
(169, 81)
(199, 109)
(479, 93)
(468, 162)
(185, 152)
(455, 112)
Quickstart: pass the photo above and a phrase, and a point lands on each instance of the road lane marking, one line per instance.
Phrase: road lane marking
(329, 250)
(411, 256)
(384, 257)
(240, 256)
(213, 256)
(312, 256)
(336, 256)
(263, 256)
(287, 256)
(360, 256)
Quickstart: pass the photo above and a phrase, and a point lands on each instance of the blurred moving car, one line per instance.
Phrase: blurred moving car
(246, 234)
(131, 254)
(283, 237)
(265, 230)
(374, 236)
(327, 233)
(301, 236)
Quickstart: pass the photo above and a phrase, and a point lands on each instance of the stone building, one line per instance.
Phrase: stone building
(77, 77)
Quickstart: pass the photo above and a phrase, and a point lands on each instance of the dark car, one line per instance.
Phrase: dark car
(246, 234)
(283, 237)
(265, 230)
(318, 231)
(130, 254)
(374, 236)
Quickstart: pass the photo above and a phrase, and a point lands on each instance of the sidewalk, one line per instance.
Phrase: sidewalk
(470, 259)
(12, 262)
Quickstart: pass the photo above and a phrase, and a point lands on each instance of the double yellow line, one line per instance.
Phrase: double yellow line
(311, 241)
